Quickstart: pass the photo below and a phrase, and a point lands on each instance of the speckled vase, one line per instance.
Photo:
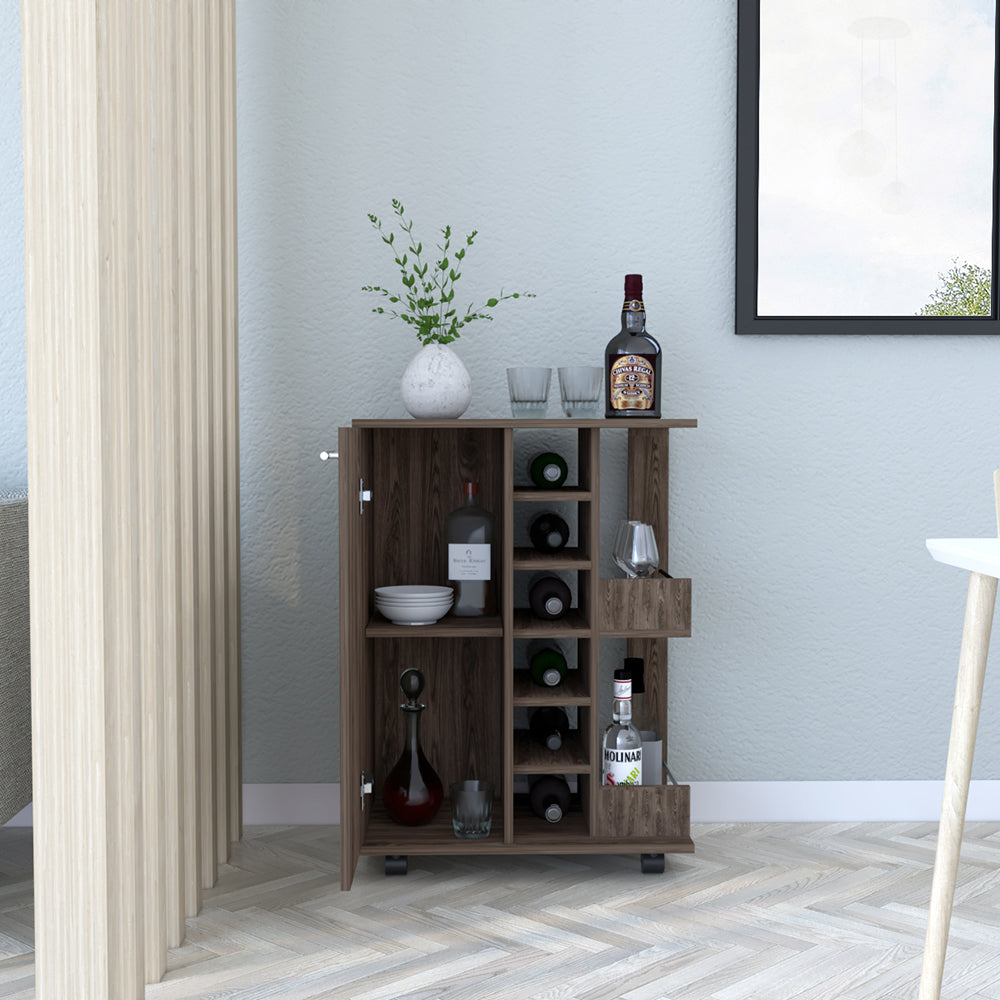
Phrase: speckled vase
(436, 384)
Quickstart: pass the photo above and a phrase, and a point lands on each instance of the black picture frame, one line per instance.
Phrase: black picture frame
(747, 320)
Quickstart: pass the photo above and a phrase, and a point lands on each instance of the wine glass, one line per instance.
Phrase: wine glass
(635, 549)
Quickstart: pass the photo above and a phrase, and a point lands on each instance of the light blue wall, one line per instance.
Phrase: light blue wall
(13, 433)
(584, 140)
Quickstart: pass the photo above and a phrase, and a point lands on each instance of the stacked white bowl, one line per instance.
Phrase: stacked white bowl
(413, 604)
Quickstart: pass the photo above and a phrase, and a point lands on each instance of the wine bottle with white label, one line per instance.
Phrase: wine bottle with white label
(470, 533)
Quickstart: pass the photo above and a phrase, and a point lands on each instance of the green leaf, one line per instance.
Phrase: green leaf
(492, 302)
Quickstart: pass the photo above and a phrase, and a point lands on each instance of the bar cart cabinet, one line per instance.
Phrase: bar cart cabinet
(398, 481)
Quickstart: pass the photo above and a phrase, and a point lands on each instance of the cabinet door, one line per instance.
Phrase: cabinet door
(356, 747)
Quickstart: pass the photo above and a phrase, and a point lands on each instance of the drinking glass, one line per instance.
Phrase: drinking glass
(580, 388)
(529, 391)
(471, 809)
(635, 549)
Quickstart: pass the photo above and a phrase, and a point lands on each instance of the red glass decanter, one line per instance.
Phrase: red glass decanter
(413, 791)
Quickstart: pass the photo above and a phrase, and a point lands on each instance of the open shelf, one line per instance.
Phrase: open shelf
(532, 758)
(527, 558)
(385, 836)
(572, 691)
(555, 494)
(447, 627)
(656, 607)
(573, 625)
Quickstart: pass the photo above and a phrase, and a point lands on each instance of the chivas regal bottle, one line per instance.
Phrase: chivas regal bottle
(632, 361)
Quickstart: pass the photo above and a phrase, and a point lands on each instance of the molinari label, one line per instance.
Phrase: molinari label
(622, 767)
(632, 381)
(468, 562)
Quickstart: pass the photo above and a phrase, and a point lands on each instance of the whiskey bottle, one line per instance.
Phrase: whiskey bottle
(632, 361)
(622, 745)
(549, 598)
(470, 533)
(549, 797)
(548, 532)
(548, 726)
(548, 470)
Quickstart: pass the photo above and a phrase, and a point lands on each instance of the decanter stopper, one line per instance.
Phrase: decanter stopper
(411, 683)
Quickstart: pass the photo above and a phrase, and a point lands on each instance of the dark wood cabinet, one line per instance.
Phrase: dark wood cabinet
(398, 481)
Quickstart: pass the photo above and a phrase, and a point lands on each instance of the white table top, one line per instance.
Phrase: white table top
(978, 555)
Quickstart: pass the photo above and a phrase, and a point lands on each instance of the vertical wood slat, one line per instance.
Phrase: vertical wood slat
(61, 189)
(589, 457)
(117, 295)
(147, 489)
(217, 455)
(648, 501)
(506, 542)
(185, 397)
(232, 438)
(130, 231)
(170, 537)
(204, 534)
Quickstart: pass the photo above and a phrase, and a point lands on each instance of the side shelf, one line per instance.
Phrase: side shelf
(655, 608)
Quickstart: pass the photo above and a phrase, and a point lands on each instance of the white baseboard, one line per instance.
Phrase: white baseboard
(23, 818)
(291, 805)
(711, 802)
(833, 801)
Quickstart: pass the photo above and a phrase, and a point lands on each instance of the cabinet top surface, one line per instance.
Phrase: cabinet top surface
(632, 423)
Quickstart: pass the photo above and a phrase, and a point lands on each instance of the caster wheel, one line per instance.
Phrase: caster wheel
(395, 864)
(652, 864)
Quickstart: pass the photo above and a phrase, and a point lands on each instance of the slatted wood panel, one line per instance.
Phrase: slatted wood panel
(132, 451)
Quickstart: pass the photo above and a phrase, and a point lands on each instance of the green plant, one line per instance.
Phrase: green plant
(965, 290)
(429, 290)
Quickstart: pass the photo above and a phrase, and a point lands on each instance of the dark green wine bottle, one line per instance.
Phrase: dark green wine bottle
(548, 470)
(547, 667)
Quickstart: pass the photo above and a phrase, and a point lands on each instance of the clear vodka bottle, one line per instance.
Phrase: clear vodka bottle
(622, 746)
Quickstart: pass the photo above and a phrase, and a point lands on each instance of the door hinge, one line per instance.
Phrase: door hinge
(366, 788)
(364, 496)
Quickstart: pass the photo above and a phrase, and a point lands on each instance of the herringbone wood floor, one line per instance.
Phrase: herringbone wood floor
(811, 912)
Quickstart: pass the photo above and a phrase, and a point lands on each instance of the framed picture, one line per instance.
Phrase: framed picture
(867, 179)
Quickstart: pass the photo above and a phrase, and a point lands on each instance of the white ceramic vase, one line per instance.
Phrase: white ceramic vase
(436, 383)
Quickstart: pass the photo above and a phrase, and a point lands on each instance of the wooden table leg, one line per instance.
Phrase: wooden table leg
(964, 722)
